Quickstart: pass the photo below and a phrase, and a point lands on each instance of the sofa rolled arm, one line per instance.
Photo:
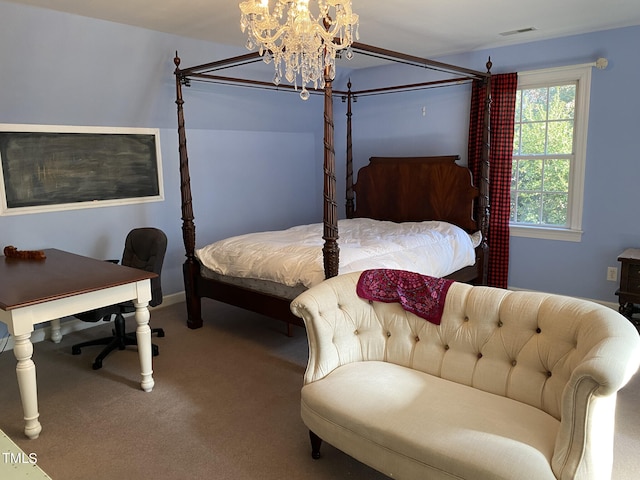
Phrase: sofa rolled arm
(341, 328)
(585, 438)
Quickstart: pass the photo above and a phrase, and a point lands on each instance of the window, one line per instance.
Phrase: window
(549, 150)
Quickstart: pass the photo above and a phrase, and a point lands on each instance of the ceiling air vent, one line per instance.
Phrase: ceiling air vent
(519, 31)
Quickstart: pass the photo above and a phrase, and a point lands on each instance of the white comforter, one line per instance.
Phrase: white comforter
(294, 256)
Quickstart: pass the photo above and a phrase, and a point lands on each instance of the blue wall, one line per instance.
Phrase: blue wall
(252, 167)
(63, 69)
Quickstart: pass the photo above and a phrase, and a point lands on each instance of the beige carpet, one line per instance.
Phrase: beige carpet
(225, 406)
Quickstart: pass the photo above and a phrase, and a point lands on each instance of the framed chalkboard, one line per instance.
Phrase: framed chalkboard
(47, 168)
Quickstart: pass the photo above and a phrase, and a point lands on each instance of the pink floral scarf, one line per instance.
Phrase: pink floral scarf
(419, 294)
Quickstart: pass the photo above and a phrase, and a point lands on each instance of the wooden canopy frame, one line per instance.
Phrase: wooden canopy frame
(209, 72)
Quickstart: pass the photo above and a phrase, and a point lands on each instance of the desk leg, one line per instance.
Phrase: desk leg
(143, 336)
(26, 373)
(56, 332)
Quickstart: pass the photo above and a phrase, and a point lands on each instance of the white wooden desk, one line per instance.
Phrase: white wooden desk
(37, 291)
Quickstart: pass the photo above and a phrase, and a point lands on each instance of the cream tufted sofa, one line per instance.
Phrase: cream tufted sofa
(510, 385)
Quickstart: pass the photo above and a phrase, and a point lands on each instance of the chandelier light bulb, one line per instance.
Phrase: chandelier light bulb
(301, 37)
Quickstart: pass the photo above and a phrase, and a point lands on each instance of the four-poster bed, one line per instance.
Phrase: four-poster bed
(397, 190)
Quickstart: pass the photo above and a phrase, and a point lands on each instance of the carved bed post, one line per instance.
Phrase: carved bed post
(484, 203)
(349, 204)
(190, 268)
(330, 250)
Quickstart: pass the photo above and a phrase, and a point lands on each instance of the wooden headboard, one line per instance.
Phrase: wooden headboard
(413, 189)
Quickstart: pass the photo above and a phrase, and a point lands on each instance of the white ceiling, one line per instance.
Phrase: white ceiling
(425, 28)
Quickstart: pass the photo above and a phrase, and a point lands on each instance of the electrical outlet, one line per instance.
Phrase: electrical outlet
(612, 274)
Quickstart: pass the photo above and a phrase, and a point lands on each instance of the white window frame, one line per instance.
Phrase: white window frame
(581, 74)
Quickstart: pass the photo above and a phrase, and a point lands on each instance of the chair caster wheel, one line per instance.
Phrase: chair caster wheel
(155, 350)
(160, 333)
(75, 350)
(97, 365)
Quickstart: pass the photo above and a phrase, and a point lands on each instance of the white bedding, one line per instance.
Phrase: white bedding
(294, 256)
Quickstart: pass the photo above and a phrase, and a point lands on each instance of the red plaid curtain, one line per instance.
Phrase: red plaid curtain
(503, 104)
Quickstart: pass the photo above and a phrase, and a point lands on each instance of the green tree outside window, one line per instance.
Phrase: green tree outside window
(542, 155)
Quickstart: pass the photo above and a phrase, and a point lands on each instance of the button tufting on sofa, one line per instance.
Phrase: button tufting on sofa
(435, 411)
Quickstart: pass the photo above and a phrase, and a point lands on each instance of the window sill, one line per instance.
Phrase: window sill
(563, 234)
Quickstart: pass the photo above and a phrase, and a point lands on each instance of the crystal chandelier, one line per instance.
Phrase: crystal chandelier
(300, 41)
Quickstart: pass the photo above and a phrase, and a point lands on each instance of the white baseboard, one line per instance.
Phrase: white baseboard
(71, 324)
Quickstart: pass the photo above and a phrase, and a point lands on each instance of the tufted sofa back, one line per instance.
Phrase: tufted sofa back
(522, 345)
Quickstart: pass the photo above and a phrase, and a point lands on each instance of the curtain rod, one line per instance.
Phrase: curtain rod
(601, 63)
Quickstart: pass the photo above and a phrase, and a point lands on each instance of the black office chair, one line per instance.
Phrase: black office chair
(144, 249)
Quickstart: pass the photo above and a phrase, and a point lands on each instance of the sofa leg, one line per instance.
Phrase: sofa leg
(316, 442)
